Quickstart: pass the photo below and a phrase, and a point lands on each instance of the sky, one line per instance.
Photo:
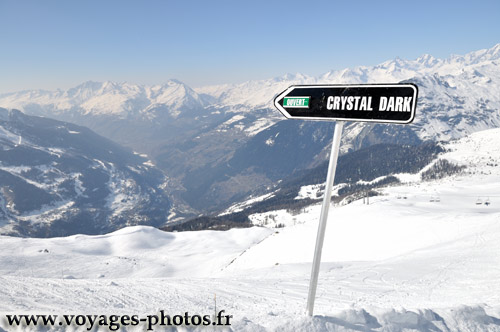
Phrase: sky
(59, 44)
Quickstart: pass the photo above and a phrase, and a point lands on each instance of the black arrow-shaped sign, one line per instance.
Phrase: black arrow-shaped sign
(387, 103)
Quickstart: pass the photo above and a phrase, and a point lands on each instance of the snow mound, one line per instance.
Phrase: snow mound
(132, 252)
(462, 319)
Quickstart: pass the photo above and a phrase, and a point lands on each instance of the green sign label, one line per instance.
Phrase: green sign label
(296, 102)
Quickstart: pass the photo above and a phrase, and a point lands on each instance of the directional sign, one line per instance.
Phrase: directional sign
(387, 103)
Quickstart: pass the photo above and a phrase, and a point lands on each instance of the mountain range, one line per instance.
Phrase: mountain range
(218, 144)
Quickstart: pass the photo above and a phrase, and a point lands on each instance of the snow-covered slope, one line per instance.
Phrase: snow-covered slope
(476, 154)
(57, 178)
(397, 264)
(132, 252)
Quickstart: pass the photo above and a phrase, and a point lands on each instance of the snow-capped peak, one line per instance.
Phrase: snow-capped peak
(427, 60)
(106, 98)
(258, 93)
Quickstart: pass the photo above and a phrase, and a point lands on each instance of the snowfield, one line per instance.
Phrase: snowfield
(398, 264)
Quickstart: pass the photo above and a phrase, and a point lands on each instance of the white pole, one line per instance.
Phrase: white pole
(332, 166)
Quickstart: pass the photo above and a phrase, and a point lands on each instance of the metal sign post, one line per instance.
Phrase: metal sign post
(379, 103)
(332, 166)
